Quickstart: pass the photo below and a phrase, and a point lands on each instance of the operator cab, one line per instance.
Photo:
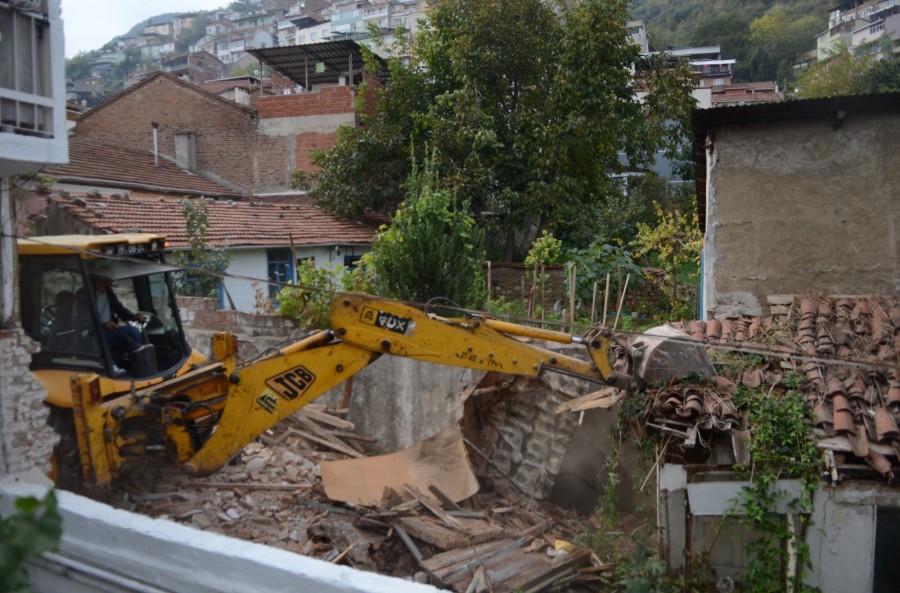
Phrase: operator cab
(59, 305)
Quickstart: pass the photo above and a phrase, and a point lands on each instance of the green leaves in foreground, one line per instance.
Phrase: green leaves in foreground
(35, 528)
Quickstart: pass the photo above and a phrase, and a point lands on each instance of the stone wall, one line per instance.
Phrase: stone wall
(26, 442)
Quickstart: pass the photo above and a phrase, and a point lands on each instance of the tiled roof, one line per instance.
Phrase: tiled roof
(844, 351)
(270, 221)
(105, 166)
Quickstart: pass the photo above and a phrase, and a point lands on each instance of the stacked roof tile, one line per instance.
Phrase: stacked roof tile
(845, 350)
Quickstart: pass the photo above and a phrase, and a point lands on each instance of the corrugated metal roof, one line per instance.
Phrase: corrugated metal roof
(298, 62)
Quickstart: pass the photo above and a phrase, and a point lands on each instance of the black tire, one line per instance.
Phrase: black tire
(66, 457)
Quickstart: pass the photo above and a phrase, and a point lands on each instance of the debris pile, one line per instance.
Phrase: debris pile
(291, 489)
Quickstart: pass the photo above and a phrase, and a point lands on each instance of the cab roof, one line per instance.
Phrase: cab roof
(68, 244)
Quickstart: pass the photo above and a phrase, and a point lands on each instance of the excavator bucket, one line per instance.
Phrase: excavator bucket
(667, 353)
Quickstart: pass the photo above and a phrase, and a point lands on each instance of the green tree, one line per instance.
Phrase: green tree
(526, 106)
(209, 262)
(845, 72)
(777, 39)
(431, 249)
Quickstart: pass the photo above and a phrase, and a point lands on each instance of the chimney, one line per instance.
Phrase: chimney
(185, 151)
(155, 126)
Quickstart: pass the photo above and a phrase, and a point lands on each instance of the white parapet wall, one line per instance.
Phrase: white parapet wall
(107, 549)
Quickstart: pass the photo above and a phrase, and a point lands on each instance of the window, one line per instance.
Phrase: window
(25, 101)
(280, 270)
(313, 35)
(351, 261)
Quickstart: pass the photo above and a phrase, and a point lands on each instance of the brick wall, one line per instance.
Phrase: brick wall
(325, 101)
(307, 143)
(26, 442)
(225, 133)
(255, 149)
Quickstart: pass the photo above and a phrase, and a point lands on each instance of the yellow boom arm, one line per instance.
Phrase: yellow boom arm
(202, 419)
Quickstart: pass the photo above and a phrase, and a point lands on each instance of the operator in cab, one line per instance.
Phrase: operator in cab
(110, 310)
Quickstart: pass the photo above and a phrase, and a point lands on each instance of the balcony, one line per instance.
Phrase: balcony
(32, 89)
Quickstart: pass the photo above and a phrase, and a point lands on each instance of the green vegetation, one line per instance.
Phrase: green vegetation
(33, 529)
(209, 262)
(849, 73)
(431, 249)
(781, 446)
(764, 36)
(310, 300)
(526, 110)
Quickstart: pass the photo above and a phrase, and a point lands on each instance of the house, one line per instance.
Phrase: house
(105, 189)
(266, 237)
(195, 67)
(797, 197)
(745, 93)
(798, 202)
(251, 149)
(860, 24)
(849, 454)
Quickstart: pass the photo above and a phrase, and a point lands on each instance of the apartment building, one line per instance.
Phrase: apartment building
(858, 24)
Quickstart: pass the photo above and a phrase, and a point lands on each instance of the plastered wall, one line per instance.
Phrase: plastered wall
(802, 206)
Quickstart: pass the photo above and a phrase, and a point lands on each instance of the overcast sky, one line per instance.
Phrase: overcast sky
(90, 24)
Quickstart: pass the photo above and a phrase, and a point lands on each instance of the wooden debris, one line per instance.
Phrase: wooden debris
(603, 398)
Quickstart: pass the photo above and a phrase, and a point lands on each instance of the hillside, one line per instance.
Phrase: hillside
(764, 36)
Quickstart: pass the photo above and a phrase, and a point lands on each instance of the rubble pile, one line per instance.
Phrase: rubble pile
(274, 495)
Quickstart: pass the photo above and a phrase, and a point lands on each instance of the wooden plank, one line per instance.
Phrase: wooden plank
(471, 531)
(602, 398)
(328, 419)
(249, 486)
(445, 500)
(337, 444)
(432, 505)
(341, 448)
(451, 558)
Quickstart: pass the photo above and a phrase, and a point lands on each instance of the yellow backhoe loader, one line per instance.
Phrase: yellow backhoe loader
(122, 402)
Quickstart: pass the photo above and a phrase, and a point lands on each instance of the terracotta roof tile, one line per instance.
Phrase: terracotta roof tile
(854, 402)
(269, 221)
(106, 166)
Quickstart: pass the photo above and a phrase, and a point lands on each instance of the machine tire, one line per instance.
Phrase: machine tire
(66, 458)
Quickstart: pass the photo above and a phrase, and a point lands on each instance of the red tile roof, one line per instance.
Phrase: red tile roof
(269, 221)
(844, 352)
(105, 166)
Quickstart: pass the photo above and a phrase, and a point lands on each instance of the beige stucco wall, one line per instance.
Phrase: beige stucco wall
(802, 206)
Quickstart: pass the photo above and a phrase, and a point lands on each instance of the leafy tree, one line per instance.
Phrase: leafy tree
(209, 262)
(849, 73)
(79, 67)
(883, 76)
(431, 249)
(526, 107)
(778, 39)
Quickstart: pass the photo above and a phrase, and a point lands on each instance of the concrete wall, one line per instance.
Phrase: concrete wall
(802, 206)
(106, 549)
(841, 537)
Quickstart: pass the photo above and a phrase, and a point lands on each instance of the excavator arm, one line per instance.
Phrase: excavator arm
(202, 419)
